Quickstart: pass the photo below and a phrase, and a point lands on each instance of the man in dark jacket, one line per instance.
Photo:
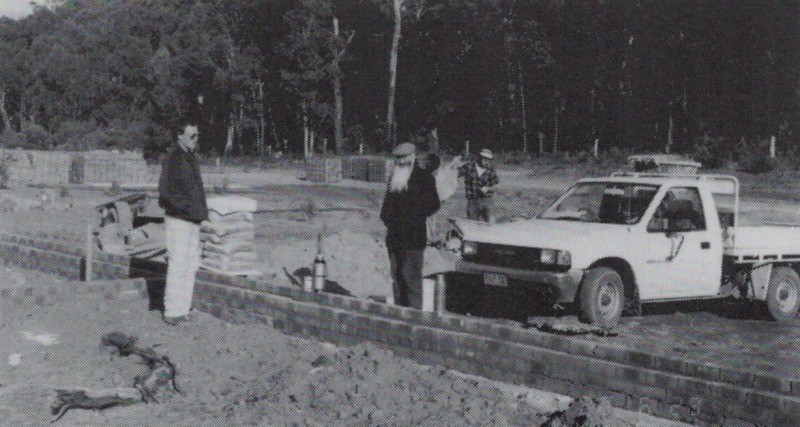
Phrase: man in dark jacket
(410, 199)
(183, 198)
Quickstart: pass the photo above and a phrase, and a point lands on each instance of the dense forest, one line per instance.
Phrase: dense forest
(538, 76)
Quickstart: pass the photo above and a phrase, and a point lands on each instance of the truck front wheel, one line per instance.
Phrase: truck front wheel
(783, 295)
(602, 297)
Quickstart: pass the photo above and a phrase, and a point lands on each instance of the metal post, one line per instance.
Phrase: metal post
(89, 252)
(440, 294)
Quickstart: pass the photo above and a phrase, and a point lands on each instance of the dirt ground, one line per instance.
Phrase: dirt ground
(235, 375)
(242, 364)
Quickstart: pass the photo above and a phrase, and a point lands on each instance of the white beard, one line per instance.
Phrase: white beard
(399, 180)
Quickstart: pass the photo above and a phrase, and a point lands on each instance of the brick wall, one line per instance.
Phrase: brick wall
(698, 392)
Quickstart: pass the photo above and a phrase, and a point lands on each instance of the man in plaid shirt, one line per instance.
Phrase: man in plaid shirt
(480, 180)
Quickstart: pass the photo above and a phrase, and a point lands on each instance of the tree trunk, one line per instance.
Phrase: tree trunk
(523, 112)
(541, 143)
(555, 133)
(231, 131)
(275, 139)
(4, 112)
(391, 127)
(238, 138)
(434, 141)
(339, 103)
(312, 139)
(670, 141)
(306, 135)
(262, 124)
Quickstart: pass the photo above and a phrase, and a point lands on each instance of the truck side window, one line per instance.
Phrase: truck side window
(681, 210)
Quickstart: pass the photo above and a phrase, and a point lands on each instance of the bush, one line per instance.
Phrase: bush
(754, 157)
(710, 152)
(11, 139)
(4, 174)
(758, 165)
(133, 135)
(37, 137)
(617, 156)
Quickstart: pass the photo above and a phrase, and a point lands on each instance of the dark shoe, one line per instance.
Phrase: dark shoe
(172, 321)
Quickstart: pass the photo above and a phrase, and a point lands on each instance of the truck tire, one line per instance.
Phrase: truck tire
(783, 295)
(602, 297)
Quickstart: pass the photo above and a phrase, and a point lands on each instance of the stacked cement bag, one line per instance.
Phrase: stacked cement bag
(228, 235)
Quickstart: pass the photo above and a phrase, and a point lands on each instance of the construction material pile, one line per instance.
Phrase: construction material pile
(132, 226)
(228, 235)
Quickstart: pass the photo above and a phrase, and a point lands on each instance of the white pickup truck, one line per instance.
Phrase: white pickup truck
(610, 244)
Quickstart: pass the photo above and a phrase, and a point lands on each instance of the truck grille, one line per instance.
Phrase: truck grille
(511, 257)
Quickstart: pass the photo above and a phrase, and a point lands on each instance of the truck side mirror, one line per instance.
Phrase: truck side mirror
(658, 225)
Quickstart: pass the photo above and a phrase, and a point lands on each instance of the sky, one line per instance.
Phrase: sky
(15, 8)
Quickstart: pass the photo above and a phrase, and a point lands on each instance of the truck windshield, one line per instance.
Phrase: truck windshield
(604, 202)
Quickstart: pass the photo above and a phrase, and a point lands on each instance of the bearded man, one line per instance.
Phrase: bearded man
(410, 199)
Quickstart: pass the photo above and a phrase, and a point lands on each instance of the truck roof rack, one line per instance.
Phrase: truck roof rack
(732, 186)
(663, 163)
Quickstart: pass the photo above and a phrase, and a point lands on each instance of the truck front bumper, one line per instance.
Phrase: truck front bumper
(564, 284)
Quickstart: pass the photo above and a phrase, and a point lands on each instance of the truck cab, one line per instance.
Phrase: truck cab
(612, 243)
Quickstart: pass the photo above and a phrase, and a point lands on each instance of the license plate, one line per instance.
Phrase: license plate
(495, 279)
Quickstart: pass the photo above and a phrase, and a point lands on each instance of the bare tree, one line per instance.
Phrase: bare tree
(391, 125)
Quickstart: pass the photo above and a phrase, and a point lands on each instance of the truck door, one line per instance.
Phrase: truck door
(685, 249)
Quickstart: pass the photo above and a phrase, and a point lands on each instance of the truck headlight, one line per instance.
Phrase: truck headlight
(548, 256)
(469, 248)
(555, 257)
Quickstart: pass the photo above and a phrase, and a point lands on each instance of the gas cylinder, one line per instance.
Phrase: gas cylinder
(320, 270)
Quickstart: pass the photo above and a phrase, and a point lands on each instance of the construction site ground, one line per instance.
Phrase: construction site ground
(234, 374)
(217, 358)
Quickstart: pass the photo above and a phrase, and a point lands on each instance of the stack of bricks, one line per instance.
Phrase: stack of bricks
(324, 169)
(37, 166)
(113, 166)
(367, 168)
(379, 169)
(360, 168)
(20, 165)
(50, 167)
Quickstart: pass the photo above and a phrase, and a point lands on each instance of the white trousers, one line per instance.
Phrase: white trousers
(183, 249)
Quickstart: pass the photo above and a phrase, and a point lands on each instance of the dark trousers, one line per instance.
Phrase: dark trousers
(406, 268)
(478, 209)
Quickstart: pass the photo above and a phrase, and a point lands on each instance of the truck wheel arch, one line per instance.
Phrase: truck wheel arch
(633, 306)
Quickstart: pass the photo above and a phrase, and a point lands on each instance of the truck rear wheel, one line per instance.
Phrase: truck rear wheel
(783, 295)
(602, 297)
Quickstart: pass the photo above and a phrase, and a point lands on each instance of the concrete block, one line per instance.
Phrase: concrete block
(736, 377)
(772, 383)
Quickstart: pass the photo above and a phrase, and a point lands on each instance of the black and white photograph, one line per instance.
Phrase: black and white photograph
(400, 213)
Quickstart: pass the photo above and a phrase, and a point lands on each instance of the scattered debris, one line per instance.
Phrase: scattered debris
(43, 339)
(132, 226)
(568, 327)
(14, 359)
(585, 411)
(161, 372)
(295, 281)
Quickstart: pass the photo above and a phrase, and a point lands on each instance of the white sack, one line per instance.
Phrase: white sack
(447, 180)
(224, 205)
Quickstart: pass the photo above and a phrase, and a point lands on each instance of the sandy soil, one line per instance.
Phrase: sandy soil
(235, 375)
(253, 370)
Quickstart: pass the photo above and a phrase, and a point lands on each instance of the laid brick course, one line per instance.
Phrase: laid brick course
(664, 386)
